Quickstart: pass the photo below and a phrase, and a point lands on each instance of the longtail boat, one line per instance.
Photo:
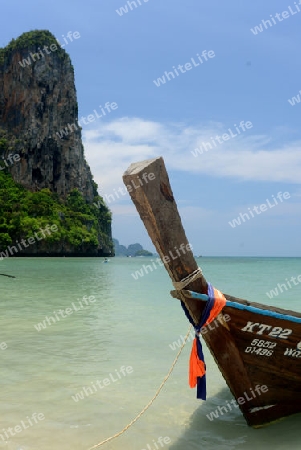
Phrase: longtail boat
(254, 345)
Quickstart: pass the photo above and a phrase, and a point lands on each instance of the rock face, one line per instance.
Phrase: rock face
(37, 101)
(131, 250)
(39, 125)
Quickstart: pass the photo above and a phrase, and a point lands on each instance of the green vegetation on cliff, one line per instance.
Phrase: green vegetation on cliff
(31, 39)
(80, 225)
(143, 253)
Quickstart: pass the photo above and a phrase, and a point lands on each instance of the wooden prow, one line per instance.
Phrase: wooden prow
(149, 187)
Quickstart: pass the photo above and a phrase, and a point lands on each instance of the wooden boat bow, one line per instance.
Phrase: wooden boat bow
(260, 345)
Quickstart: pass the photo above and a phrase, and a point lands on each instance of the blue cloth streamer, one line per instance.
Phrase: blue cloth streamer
(201, 381)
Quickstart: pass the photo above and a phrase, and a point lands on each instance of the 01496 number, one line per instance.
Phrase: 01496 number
(259, 351)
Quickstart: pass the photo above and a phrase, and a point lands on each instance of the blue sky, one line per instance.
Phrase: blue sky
(251, 77)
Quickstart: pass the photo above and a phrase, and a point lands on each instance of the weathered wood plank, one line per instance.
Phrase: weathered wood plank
(153, 198)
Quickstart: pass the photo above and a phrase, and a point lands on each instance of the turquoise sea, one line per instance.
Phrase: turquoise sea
(88, 374)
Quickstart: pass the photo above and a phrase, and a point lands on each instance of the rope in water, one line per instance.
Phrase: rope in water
(152, 400)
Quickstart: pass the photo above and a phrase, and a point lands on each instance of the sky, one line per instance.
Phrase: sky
(244, 83)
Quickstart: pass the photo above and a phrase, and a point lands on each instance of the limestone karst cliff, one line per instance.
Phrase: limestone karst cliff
(38, 100)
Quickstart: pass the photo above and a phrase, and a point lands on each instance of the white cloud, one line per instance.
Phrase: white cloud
(134, 130)
(113, 146)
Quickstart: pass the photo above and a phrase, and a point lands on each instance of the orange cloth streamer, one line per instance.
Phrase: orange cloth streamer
(219, 303)
(197, 367)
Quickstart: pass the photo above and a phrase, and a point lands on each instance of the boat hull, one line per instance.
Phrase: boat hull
(258, 351)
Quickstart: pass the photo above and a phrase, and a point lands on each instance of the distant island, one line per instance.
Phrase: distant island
(131, 250)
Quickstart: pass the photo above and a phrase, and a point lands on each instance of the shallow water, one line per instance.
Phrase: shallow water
(130, 324)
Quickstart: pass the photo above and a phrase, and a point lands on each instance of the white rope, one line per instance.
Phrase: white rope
(152, 400)
(179, 285)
